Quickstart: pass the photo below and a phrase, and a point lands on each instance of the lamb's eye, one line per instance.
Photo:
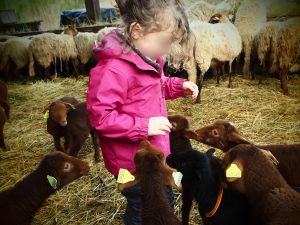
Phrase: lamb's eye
(215, 133)
(67, 167)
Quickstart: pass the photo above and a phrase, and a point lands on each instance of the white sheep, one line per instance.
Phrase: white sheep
(208, 43)
(249, 19)
(48, 48)
(85, 41)
(277, 46)
(14, 53)
(203, 11)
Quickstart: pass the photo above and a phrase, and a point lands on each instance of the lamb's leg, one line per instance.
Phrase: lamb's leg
(283, 80)
(2, 144)
(247, 50)
(261, 74)
(95, 139)
(47, 73)
(218, 78)
(230, 74)
(67, 67)
(69, 142)
(187, 200)
(77, 144)
(216, 73)
(82, 68)
(75, 63)
(199, 84)
(57, 144)
(6, 71)
(6, 108)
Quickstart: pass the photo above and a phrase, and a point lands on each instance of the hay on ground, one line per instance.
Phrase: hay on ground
(262, 114)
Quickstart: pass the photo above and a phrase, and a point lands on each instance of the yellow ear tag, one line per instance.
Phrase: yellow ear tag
(233, 171)
(46, 115)
(177, 176)
(125, 176)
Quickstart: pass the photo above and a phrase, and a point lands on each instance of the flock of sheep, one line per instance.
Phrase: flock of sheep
(214, 40)
(45, 51)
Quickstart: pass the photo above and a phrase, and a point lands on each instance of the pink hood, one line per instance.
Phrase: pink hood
(123, 93)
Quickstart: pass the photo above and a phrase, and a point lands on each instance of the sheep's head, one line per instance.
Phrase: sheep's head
(180, 124)
(191, 164)
(71, 30)
(63, 168)
(221, 134)
(172, 71)
(148, 157)
(258, 171)
(218, 18)
(58, 111)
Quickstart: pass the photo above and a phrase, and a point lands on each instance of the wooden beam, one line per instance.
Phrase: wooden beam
(94, 28)
(92, 10)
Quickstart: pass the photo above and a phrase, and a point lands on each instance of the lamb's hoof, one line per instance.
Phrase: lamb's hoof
(286, 93)
(246, 76)
(217, 85)
(5, 148)
(97, 159)
(229, 85)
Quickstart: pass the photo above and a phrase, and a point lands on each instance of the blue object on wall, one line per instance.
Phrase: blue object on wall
(79, 16)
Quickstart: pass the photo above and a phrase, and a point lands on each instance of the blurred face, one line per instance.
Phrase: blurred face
(154, 44)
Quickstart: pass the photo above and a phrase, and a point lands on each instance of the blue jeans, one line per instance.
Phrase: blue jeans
(133, 213)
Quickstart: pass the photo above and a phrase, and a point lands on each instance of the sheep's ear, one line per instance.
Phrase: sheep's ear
(69, 105)
(190, 134)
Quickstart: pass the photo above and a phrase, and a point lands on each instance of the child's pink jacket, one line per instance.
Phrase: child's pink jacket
(123, 93)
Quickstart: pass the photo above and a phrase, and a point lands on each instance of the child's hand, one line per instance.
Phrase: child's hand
(191, 87)
(158, 126)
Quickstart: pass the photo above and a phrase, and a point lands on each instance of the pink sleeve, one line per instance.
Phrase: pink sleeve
(173, 87)
(106, 92)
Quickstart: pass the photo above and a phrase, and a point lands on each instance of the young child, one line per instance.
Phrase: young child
(127, 88)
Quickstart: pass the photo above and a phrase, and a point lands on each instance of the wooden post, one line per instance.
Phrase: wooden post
(92, 10)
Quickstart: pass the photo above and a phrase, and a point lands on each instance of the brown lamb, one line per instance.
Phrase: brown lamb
(4, 98)
(68, 119)
(19, 204)
(224, 135)
(273, 201)
(153, 174)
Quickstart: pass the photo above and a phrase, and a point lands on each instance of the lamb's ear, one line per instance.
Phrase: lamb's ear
(237, 138)
(69, 105)
(234, 171)
(46, 109)
(210, 152)
(198, 174)
(144, 144)
(169, 178)
(190, 134)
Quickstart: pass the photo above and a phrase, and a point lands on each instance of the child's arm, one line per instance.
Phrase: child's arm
(106, 92)
(176, 87)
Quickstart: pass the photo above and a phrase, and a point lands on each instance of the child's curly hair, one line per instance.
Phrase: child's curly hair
(155, 16)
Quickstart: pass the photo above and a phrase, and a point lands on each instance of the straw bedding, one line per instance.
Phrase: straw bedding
(262, 114)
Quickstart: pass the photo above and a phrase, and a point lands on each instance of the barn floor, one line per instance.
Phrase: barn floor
(261, 113)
